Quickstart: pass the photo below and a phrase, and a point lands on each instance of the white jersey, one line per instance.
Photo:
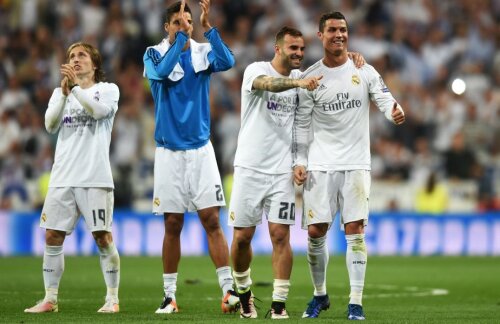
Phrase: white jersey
(82, 151)
(265, 137)
(337, 114)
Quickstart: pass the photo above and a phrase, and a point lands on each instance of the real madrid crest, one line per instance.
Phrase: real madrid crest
(355, 79)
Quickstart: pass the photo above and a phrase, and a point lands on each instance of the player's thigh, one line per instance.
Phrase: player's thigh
(170, 187)
(356, 194)
(247, 198)
(204, 179)
(59, 210)
(320, 198)
(96, 206)
(280, 201)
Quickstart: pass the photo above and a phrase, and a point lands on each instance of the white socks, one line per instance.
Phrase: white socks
(242, 280)
(223, 273)
(356, 257)
(225, 279)
(170, 284)
(53, 268)
(110, 266)
(280, 291)
(317, 257)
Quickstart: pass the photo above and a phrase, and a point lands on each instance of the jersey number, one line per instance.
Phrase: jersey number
(101, 214)
(218, 193)
(287, 209)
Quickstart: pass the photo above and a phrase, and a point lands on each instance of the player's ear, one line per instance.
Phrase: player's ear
(276, 48)
(165, 26)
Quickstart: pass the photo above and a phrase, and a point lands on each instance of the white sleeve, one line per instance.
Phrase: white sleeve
(53, 115)
(379, 93)
(252, 71)
(301, 127)
(103, 107)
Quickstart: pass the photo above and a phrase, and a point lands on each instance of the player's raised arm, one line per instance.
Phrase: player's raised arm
(184, 19)
(221, 58)
(205, 9)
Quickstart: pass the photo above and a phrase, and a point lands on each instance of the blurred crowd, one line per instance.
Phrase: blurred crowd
(418, 46)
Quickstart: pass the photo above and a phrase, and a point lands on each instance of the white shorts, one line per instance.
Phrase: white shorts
(255, 193)
(329, 192)
(64, 205)
(186, 180)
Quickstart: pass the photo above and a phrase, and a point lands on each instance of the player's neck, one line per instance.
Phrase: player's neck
(331, 60)
(86, 82)
(276, 64)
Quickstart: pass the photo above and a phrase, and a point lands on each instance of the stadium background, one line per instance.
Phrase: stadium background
(419, 46)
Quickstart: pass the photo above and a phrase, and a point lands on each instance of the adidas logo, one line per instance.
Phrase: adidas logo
(321, 87)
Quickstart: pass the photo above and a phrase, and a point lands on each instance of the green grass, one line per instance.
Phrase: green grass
(398, 290)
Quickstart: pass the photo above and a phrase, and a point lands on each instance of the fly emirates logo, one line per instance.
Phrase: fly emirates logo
(342, 102)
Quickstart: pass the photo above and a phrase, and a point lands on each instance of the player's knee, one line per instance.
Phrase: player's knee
(317, 230)
(173, 225)
(280, 236)
(356, 227)
(211, 225)
(102, 239)
(242, 238)
(54, 238)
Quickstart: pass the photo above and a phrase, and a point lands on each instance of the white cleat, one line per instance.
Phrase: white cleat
(43, 307)
(110, 306)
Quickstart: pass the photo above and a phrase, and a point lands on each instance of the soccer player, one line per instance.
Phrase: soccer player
(335, 165)
(263, 177)
(185, 170)
(82, 110)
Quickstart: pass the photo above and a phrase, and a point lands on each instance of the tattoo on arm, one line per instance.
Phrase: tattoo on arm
(268, 83)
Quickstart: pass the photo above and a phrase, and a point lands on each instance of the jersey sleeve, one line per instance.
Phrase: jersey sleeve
(379, 93)
(100, 107)
(302, 126)
(220, 57)
(54, 112)
(252, 71)
(159, 67)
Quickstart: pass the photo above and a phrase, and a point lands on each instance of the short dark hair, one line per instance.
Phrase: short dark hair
(330, 15)
(287, 31)
(173, 9)
(95, 56)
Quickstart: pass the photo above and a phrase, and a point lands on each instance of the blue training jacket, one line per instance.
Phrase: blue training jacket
(182, 108)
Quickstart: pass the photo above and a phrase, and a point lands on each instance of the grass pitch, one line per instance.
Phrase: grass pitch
(397, 290)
